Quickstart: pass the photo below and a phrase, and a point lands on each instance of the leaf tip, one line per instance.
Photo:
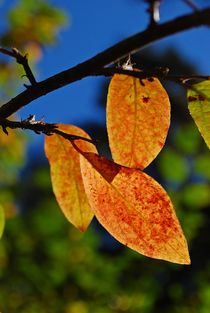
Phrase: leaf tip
(185, 260)
(82, 228)
(181, 256)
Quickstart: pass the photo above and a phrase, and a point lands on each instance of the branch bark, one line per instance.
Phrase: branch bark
(109, 56)
(40, 127)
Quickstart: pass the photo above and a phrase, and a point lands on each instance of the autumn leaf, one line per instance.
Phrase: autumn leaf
(134, 209)
(138, 118)
(2, 221)
(66, 175)
(199, 106)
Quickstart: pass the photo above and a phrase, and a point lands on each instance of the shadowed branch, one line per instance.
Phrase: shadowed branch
(39, 127)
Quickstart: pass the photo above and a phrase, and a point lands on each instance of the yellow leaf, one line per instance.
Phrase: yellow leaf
(134, 209)
(66, 175)
(199, 106)
(138, 118)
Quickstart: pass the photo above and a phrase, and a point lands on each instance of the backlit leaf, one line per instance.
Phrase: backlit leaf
(134, 209)
(199, 105)
(2, 220)
(138, 118)
(66, 175)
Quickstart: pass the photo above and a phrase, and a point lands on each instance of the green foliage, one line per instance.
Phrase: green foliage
(49, 266)
(173, 166)
(196, 196)
(2, 220)
(12, 156)
(187, 138)
(184, 166)
(31, 26)
(201, 165)
(35, 21)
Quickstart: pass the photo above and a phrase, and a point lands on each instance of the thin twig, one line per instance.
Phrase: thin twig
(39, 127)
(7, 52)
(109, 56)
(23, 60)
(154, 12)
(72, 137)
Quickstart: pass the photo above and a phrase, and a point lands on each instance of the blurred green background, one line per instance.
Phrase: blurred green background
(46, 265)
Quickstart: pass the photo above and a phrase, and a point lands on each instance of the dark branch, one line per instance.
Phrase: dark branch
(72, 137)
(39, 127)
(160, 73)
(21, 59)
(29, 123)
(111, 55)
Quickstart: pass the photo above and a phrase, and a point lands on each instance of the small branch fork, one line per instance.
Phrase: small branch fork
(23, 60)
(97, 64)
(39, 127)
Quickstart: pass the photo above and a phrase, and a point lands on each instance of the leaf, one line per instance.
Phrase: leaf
(66, 175)
(198, 97)
(134, 209)
(2, 221)
(138, 118)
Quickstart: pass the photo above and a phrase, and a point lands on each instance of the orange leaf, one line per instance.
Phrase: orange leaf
(66, 175)
(134, 209)
(138, 118)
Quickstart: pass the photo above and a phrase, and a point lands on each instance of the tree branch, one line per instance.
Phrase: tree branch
(111, 55)
(160, 73)
(39, 127)
(23, 60)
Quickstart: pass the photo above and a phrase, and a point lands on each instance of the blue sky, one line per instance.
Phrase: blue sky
(94, 26)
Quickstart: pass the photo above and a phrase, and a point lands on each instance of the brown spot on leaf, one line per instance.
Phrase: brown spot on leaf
(191, 98)
(145, 99)
(201, 98)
